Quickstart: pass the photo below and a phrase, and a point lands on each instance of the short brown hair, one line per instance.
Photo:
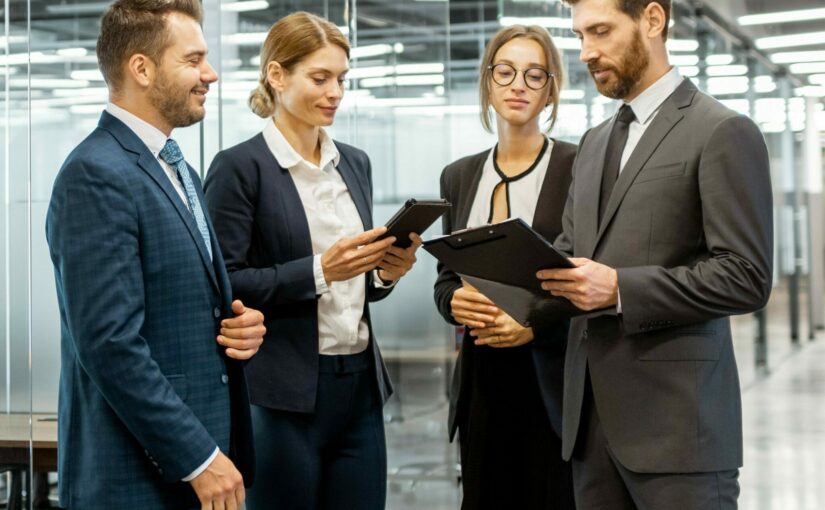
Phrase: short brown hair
(137, 26)
(290, 40)
(551, 55)
(635, 8)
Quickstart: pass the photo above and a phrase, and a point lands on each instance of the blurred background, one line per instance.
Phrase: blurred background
(412, 105)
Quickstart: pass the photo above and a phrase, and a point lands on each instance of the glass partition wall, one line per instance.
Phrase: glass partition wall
(412, 105)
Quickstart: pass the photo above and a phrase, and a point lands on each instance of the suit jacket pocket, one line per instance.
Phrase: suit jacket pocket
(178, 382)
(680, 345)
(661, 172)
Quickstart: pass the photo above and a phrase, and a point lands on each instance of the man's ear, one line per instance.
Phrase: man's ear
(275, 74)
(654, 15)
(141, 69)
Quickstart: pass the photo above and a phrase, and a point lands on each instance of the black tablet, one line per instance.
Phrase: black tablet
(414, 216)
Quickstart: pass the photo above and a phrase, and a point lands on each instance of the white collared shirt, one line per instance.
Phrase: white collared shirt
(154, 139)
(645, 107)
(331, 215)
(523, 193)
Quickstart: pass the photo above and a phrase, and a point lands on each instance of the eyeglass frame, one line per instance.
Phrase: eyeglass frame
(550, 76)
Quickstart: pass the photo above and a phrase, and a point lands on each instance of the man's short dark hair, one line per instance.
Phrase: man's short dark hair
(137, 26)
(635, 8)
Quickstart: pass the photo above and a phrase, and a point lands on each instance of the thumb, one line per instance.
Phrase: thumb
(238, 307)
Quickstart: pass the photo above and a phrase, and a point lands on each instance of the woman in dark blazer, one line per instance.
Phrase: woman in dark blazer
(292, 210)
(506, 397)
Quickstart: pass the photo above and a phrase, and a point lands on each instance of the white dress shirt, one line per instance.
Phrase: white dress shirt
(645, 107)
(524, 193)
(154, 139)
(331, 215)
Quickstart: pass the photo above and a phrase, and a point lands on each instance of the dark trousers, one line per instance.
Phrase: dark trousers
(602, 483)
(510, 454)
(332, 459)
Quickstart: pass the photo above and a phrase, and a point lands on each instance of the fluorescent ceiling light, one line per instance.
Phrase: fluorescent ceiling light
(721, 59)
(245, 6)
(793, 57)
(683, 60)
(389, 102)
(103, 92)
(72, 52)
(49, 83)
(572, 94)
(403, 81)
(344, 29)
(243, 75)
(244, 39)
(374, 50)
(688, 45)
(542, 21)
(764, 84)
(87, 74)
(82, 8)
(728, 85)
(787, 41)
(86, 109)
(733, 70)
(810, 91)
(568, 43)
(689, 71)
(817, 79)
(808, 68)
(424, 68)
(782, 17)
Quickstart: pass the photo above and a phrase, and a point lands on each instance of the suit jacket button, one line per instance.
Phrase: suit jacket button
(224, 378)
(216, 312)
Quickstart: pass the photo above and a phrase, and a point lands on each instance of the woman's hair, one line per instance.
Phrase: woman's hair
(551, 54)
(289, 41)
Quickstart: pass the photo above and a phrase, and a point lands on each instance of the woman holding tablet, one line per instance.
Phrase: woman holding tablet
(506, 398)
(293, 213)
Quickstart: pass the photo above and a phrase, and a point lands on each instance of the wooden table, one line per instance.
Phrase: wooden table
(15, 431)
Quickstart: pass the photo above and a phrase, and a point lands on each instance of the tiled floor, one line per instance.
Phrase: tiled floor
(784, 423)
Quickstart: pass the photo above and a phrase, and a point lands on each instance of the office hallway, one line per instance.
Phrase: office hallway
(784, 431)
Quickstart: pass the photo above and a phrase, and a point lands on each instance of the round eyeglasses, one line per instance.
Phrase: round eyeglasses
(504, 74)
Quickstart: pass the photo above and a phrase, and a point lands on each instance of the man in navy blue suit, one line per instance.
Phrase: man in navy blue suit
(153, 409)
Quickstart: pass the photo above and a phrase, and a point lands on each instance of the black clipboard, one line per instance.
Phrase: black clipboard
(414, 216)
(501, 261)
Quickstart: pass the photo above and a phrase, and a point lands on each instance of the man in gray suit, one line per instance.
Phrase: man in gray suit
(669, 221)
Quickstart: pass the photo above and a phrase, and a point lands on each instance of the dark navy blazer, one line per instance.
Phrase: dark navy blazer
(264, 235)
(459, 184)
(146, 393)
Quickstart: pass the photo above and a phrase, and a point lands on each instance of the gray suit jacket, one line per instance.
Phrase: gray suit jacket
(689, 229)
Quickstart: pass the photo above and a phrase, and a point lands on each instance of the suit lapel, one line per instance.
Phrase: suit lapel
(356, 189)
(656, 132)
(295, 217)
(152, 168)
(468, 198)
(589, 170)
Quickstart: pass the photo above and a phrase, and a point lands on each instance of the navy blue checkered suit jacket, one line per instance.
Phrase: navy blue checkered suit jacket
(146, 393)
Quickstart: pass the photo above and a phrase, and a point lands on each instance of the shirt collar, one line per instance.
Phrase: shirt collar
(152, 137)
(289, 158)
(648, 102)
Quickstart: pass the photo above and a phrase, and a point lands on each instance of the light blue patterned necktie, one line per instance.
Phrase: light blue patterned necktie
(172, 155)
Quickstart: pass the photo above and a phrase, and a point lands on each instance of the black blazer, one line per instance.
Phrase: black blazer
(264, 235)
(459, 184)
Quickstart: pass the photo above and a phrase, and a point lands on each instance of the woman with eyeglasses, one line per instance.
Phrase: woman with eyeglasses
(506, 398)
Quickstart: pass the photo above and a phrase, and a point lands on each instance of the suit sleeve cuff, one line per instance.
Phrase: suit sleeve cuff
(194, 474)
(321, 286)
(380, 283)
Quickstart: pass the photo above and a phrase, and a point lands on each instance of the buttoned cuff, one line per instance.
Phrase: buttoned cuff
(194, 474)
(321, 286)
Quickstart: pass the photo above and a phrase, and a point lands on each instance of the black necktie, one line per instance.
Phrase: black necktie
(613, 159)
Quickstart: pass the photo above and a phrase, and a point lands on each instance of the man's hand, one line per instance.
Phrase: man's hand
(220, 486)
(353, 256)
(472, 308)
(506, 332)
(243, 334)
(589, 286)
(398, 261)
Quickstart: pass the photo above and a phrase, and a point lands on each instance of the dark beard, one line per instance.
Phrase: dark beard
(173, 103)
(632, 66)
